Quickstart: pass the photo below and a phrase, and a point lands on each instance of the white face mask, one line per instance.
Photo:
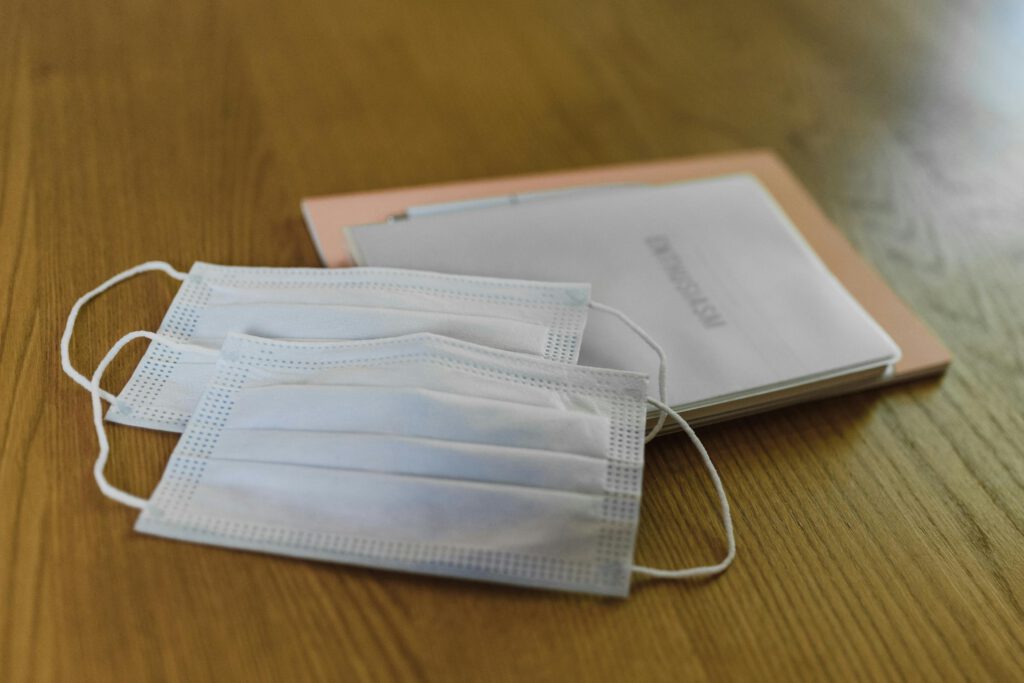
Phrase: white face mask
(538, 318)
(419, 453)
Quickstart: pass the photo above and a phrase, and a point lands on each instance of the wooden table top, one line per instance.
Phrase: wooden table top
(880, 535)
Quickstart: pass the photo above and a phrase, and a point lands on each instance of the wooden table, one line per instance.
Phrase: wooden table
(880, 536)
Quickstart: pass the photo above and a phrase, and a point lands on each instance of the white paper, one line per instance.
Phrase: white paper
(712, 269)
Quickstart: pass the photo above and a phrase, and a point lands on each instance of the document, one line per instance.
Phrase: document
(712, 269)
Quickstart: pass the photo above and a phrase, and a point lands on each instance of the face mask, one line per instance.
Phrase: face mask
(419, 453)
(538, 318)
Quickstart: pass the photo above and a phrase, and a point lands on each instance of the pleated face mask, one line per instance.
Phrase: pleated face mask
(419, 453)
(543, 319)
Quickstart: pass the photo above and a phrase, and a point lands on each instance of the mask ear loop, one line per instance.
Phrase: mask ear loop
(65, 340)
(108, 489)
(710, 570)
(662, 358)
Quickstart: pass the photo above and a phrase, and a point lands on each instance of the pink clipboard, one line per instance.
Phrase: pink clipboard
(923, 353)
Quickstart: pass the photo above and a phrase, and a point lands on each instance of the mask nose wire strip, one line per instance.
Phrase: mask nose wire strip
(93, 385)
(710, 570)
(65, 340)
(662, 370)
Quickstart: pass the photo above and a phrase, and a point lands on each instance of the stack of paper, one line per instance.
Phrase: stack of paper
(713, 269)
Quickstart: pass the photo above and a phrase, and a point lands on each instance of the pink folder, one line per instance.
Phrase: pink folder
(923, 353)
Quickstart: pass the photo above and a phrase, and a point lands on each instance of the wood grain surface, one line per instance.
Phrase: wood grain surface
(881, 536)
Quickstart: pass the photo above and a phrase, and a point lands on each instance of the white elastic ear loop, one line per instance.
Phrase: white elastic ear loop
(106, 487)
(65, 340)
(711, 570)
(662, 370)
